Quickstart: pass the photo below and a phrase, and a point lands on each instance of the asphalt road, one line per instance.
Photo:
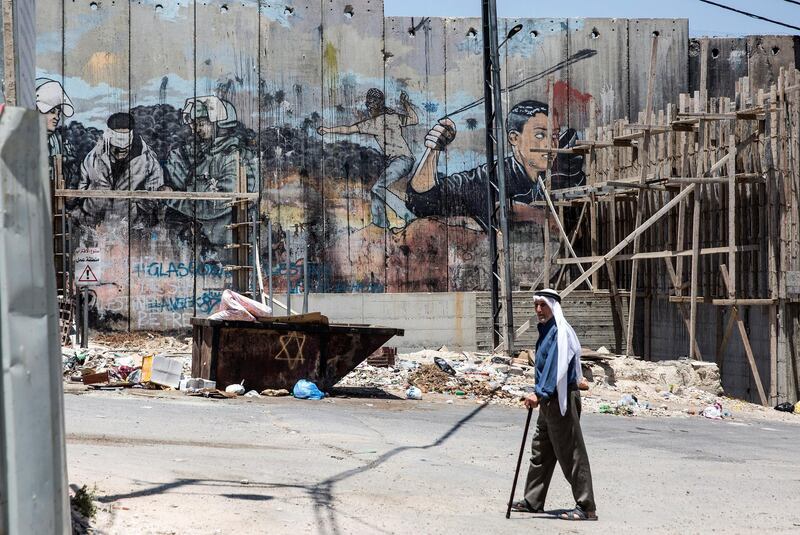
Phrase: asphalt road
(284, 466)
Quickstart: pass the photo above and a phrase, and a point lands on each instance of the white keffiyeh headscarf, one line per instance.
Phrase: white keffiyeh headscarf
(568, 346)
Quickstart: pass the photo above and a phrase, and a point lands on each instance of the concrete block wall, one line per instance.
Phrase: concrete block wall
(431, 320)
(589, 314)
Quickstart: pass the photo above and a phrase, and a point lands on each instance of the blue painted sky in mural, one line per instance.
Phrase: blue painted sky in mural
(703, 19)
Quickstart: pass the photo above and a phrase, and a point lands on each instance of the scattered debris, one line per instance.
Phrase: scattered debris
(252, 394)
(616, 385)
(679, 388)
(785, 407)
(193, 383)
(102, 367)
(273, 393)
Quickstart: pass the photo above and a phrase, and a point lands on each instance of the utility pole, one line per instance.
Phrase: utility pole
(497, 200)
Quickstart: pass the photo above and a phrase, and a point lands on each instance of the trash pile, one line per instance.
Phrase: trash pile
(113, 369)
(617, 385)
(477, 376)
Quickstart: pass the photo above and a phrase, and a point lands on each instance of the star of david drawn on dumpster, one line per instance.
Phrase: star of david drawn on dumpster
(292, 349)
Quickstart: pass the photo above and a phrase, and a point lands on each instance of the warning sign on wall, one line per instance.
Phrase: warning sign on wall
(87, 266)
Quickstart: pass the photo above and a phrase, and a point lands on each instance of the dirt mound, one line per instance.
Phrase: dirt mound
(429, 378)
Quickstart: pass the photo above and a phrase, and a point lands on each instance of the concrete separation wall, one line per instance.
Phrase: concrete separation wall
(322, 108)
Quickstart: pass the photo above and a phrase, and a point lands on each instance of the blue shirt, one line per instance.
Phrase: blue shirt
(547, 362)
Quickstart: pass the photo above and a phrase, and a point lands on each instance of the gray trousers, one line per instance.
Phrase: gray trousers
(559, 439)
(396, 169)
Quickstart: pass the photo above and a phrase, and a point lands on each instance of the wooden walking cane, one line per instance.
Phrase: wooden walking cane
(519, 462)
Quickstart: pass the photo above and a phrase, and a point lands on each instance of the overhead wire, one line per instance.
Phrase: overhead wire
(752, 15)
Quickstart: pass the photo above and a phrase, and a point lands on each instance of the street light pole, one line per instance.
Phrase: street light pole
(497, 199)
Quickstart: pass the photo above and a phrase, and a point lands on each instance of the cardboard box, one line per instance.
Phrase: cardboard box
(166, 372)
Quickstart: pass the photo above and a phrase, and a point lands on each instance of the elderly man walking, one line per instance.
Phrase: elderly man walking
(558, 436)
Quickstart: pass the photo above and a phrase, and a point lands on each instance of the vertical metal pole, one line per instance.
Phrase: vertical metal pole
(78, 320)
(288, 276)
(305, 280)
(495, 133)
(269, 261)
(255, 284)
(85, 322)
(491, 183)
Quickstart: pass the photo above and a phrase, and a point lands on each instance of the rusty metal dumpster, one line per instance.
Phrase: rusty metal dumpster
(276, 354)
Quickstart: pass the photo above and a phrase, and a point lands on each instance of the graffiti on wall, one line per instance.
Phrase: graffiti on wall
(369, 165)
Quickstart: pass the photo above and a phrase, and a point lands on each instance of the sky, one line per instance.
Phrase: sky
(704, 20)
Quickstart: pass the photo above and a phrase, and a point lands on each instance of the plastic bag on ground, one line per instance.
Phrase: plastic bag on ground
(307, 390)
(236, 307)
(235, 389)
(784, 407)
(713, 412)
(444, 365)
(413, 393)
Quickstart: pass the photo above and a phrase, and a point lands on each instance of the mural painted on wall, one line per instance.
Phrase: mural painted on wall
(370, 164)
(386, 126)
(465, 193)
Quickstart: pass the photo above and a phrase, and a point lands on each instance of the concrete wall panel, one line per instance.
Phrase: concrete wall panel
(417, 257)
(767, 54)
(227, 85)
(291, 148)
(673, 42)
(161, 82)
(96, 79)
(671, 340)
(603, 74)
(352, 64)
(727, 62)
(468, 255)
(538, 54)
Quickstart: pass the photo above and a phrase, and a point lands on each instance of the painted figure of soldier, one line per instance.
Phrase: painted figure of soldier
(209, 162)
